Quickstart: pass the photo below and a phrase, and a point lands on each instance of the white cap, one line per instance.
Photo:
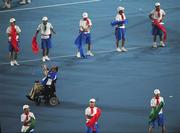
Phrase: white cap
(120, 8)
(156, 91)
(85, 15)
(12, 20)
(92, 100)
(25, 107)
(44, 18)
(157, 4)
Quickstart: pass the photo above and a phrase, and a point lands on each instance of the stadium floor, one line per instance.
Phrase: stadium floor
(122, 83)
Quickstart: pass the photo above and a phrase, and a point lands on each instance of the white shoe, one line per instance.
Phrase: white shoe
(154, 45)
(162, 44)
(124, 49)
(11, 63)
(90, 53)
(28, 1)
(78, 55)
(44, 59)
(22, 2)
(16, 63)
(47, 58)
(118, 49)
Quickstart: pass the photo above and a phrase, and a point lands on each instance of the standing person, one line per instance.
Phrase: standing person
(46, 30)
(28, 120)
(23, 2)
(7, 4)
(13, 32)
(120, 29)
(157, 14)
(92, 114)
(85, 25)
(157, 102)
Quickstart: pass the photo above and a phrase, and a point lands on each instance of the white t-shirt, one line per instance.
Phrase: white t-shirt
(85, 24)
(88, 112)
(45, 32)
(154, 14)
(154, 102)
(119, 18)
(8, 30)
(23, 118)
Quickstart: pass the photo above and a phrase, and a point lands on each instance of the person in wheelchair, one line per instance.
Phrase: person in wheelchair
(45, 87)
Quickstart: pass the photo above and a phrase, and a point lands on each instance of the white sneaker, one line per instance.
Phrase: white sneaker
(11, 63)
(47, 58)
(22, 2)
(124, 49)
(90, 53)
(78, 55)
(16, 63)
(28, 1)
(162, 44)
(154, 45)
(118, 49)
(44, 59)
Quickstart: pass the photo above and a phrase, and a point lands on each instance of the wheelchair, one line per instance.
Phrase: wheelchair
(46, 94)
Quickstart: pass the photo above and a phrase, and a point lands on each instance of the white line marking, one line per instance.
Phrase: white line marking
(49, 6)
(64, 56)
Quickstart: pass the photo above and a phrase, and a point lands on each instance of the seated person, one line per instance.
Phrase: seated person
(36, 89)
(48, 80)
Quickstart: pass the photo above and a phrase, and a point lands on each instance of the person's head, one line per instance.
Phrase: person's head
(45, 20)
(26, 108)
(54, 68)
(156, 92)
(120, 10)
(12, 21)
(92, 102)
(157, 6)
(85, 15)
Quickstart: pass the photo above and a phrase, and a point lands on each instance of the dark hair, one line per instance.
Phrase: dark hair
(36, 81)
(54, 68)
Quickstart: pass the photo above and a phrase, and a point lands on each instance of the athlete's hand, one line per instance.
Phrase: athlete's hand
(9, 38)
(17, 38)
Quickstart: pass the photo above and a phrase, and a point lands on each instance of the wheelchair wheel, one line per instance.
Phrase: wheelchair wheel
(53, 101)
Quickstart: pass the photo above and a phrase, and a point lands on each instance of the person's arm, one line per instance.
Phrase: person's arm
(81, 27)
(9, 36)
(150, 16)
(52, 29)
(90, 23)
(163, 15)
(36, 33)
(32, 115)
(8, 33)
(162, 100)
(18, 31)
(153, 104)
(88, 117)
(38, 29)
(45, 70)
